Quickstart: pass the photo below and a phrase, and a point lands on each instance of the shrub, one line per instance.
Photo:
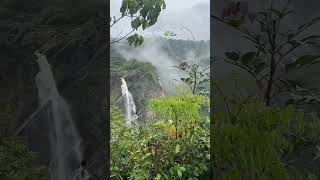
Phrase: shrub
(176, 145)
(261, 142)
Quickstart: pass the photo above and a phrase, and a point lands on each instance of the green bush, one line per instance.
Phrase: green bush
(17, 162)
(253, 141)
(160, 149)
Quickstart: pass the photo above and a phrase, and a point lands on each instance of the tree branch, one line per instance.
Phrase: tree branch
(115, 41)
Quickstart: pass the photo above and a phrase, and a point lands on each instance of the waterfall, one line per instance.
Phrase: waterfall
(162, 90)
(64, 139)
(129, 103)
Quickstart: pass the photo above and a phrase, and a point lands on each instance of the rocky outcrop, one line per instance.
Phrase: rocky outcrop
(142, 81)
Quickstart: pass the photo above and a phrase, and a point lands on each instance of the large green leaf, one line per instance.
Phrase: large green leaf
(260, 67)
(135, 40)
(276, 11)
(136, 23)
(294, 43)
(179, 173)
(310, 37)
(124, 6)
(248, 57)
(141, 40)
(177, 150)
(235, 22)
(164, 5)
(303, 61)
(187, 80)
(232, 55)
(145, 24)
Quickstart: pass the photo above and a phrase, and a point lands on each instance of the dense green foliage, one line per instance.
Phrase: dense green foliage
(173, 145)
(262, 142)
(17, 161)
(61, 29)
(130, 68)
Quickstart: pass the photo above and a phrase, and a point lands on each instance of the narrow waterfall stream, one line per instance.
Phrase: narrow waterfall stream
(162, 90)
(129, 103)
(64, 139)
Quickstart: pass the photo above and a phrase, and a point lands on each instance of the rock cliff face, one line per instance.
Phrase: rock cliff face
(77, 56)
(143, 66)
(142, 81)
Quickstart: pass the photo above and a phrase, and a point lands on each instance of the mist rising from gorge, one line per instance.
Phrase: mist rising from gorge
(160, 54)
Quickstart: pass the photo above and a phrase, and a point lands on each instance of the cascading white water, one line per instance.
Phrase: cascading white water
(162, 90)
(64, 139)
(129, 103)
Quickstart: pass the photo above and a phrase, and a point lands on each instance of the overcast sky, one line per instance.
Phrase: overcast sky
(192, 14)
(226, 39)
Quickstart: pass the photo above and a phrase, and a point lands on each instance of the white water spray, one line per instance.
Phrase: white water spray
(64, 139)
(130, 105)
(162, 90)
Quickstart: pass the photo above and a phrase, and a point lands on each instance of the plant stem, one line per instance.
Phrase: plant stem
(272, 33)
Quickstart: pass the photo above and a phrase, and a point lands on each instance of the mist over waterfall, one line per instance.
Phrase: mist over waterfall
(64, 139)
(129, 103)
(147, 52)
(165, 55)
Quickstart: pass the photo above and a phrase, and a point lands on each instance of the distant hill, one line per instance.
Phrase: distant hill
(142, 66)
(178, 50)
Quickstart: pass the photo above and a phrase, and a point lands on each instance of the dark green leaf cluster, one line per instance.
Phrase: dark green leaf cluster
(149, 11)
(143, 13)
(16, 162)
(135, 40)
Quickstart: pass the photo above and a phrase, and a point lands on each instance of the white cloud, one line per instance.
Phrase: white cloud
(193, 14)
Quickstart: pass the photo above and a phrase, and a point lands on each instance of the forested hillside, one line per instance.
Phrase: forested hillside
(71, 34)
(143, 72)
